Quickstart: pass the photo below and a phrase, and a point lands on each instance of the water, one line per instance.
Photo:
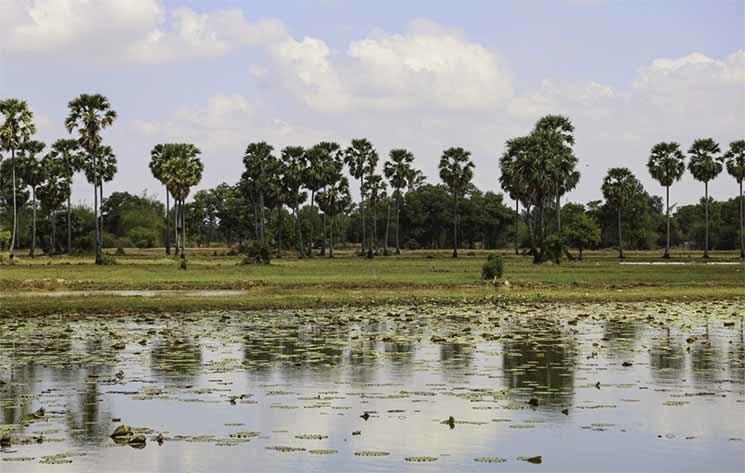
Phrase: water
(303, 379)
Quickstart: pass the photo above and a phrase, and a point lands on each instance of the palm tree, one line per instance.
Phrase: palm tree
(182, 170)
(157, 158)
(511, 182)
(619, 188)
(376, 191)
(258, 160)
(359, 157)
(90, 115)
(16, 129)
(456, 171)
(65, 154)
(735, 157)
(333, 200)
(33, 174)
(666, 164)
(705, 165)
(294, 165)
(556, 133)
(400, 173)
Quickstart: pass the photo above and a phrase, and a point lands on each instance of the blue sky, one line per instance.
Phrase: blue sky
(418, 74)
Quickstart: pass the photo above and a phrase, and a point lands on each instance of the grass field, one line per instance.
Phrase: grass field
(418, 276)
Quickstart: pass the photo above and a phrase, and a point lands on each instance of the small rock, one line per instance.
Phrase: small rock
(533, 401)
(565, 412)
(138, 441)
(627, 364)
(121, 432)
(536, 460)
(5, 440)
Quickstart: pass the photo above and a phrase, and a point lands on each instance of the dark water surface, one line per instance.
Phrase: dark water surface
(596, 387)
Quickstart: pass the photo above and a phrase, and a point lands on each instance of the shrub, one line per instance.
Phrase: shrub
(120, 252)
(553, 249)
(256, 253)
(493, 267)
(106, 260)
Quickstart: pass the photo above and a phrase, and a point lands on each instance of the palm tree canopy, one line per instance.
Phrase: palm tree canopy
(30, 167)
(335, 199)
(666, 163)
(89, 114)
(66, 153)
(359, 156)
(294, 165)
(558, 124)
(182, 169)
(17, 125)
(105, 168)
(704, 163)
(456, 169)
(509, 179)
(620, 186)
(735, 158)
(398, 169)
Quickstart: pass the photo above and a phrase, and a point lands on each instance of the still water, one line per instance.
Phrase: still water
(588, 387)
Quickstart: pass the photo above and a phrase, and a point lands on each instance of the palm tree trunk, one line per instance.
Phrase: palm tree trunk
(517, 227)
(100, 203)
(558, 214)
(298, 233)
(33, 221)
(620, 240)
(69, 226)
(742, 225)
(706, 216)
(398, 213)
(310, 236)
(374, 239)
(54, 235)
(455, 225)
(279, 232)
(331, 230)
(261, 216)
(15, 206)
(362, 211)
(183, 229)
(667, 211)
(323, 239)
(387, 226)
(99, 260)
(168, 223)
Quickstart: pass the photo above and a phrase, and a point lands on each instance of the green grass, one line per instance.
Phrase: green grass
(417, 276)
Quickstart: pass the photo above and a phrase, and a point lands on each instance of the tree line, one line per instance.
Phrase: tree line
(299, 199)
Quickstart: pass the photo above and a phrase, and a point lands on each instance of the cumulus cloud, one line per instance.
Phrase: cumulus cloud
(429, 66)
(126, 30)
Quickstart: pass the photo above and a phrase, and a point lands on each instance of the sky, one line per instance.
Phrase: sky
(420, 74)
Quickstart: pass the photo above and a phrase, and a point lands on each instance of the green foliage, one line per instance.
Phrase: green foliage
(553, 249)
(256, 252)
(4, 240)
(493, 267)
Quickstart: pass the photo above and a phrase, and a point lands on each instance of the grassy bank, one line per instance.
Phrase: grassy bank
(416, 276)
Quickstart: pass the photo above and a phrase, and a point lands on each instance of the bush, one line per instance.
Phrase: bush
(256, 253)
(553, 249)
(493, 267)
(106, 260)
(120, 252)
(4, 240)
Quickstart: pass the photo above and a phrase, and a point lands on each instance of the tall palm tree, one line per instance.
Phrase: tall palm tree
(666, 164)
(376, 192)
(400, 173)
(258, 160)
(735, 157)
(456, 171)
(619, 188)
(330, 166)
(16, 129)
(182, 171)
(65, 153)
(157, 158)
(33, 174)
(556, 133)
(333, 200)
(511, 181)
(90, 114)
(358, 158)
(294, 165)
(705, 165)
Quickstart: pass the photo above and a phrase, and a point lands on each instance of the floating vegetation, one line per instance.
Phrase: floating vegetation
(323, 452)
(420, 459)
(490, 460)
(371, 453)
(285, 449)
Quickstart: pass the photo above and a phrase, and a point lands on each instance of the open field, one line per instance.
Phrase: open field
(288, 282)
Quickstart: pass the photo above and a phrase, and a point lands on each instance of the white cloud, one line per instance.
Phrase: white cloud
(429, 66)
(113, 31)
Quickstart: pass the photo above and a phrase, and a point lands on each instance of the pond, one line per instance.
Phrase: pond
(518, 387)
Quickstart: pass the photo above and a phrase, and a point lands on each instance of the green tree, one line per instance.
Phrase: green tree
(705, 165)
(333, 200)
(580, 230)
(294, 167)
(33, 174)
(66, 158)
(259, 162)
(53, 192)
(666, 164)
(511, 181)
(400, 173)
(456, 171)
(90, 115)
(157, 158)
(555, 133)
(360, 157)
(182, 170)
(735, 159)
(16, 129)
(620, 187)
